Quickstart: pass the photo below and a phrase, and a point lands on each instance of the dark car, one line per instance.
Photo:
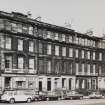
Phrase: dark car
(73, 95)
(49, 95)
(53, 95)
(42, 95)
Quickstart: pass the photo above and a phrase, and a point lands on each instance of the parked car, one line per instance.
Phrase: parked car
(95, 95)
(33, 93)
(49, 95)
(72, 95)
(13, 96)
(53, 95)
(42, 95)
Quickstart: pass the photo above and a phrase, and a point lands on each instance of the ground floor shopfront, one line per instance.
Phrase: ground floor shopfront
(50, 83)
(40, 83)
(87, 83)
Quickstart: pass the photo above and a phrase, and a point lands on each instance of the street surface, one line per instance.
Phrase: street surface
(64, 102)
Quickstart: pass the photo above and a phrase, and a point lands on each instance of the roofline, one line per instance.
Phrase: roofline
(25, 18)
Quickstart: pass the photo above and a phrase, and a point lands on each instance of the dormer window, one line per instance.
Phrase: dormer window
(56, 36)
(31, 30)
(63, 37)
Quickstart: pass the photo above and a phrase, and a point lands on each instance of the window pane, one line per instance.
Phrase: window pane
(63, 51)
(48, 66)
(20, 62)
(76, 53)
(14, 27)
(88, 54)
(63, 37)
(48, 49)
(19, 27)
(8, 62)
(31, 46)
(56, 36)
(30, 30)
(82, 53)
(70, 52)
(93, 55)
(20, 44)
(31, 63)
(57, 50)
(8, 42)
(40, 47)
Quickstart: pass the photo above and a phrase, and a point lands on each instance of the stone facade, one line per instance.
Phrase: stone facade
(45, 57)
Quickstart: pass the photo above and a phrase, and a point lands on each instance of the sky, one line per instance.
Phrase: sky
(83, 15)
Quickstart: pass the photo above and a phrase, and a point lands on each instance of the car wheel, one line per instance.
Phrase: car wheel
(12, 101)
(81, 98)
(59, 98)
(71, 98)
(47, 99)
(36, 99)
(28, 100)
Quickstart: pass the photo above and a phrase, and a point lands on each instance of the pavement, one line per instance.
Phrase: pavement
(64, 102)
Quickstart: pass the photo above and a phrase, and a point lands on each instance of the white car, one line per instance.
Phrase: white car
(13, 96)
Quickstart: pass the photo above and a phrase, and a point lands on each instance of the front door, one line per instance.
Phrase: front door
(40, 85)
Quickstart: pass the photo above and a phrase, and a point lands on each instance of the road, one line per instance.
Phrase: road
(65, 102)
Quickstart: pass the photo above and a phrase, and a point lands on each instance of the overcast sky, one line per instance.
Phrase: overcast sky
(82, 14)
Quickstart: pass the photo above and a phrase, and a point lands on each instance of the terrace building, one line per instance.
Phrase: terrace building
(45, 57)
